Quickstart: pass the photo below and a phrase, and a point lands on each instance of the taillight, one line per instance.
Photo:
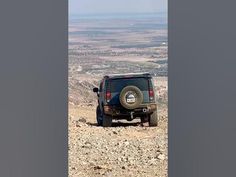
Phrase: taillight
(151, 95)
(150, 91)
(108, 96)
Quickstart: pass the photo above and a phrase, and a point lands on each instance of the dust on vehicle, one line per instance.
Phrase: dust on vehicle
(126, 96)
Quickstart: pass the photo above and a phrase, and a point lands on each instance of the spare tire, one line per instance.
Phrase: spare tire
(131, 97)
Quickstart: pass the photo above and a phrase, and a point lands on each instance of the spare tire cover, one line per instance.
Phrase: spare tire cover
(131, 97)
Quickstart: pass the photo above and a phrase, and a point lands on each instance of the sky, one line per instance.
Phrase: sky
(116, 6)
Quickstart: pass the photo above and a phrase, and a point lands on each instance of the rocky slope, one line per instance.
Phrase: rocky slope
(126, 149)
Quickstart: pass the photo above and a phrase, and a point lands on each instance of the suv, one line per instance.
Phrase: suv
(126, 96)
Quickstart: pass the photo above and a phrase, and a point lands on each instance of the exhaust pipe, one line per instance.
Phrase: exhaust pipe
(145, 110)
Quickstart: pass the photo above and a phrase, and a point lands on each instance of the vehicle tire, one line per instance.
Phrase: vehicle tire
(106, 121)
(144, 119)
(153, 119)
(99, 116)
(133, 91)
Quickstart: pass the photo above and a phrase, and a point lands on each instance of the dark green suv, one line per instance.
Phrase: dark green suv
(126, 96)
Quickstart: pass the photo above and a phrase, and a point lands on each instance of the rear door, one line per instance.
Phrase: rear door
(116, 85)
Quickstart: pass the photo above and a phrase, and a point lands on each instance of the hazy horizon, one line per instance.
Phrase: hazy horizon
(160, 16)
(104, 7)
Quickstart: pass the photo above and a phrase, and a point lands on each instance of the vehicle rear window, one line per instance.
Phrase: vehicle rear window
(116, 85)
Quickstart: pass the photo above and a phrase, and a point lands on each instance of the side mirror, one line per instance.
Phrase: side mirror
(95, 89)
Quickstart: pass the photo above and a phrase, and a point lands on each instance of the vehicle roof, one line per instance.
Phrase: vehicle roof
(117, 76)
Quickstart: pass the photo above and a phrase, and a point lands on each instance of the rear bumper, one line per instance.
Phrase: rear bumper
(117, 111)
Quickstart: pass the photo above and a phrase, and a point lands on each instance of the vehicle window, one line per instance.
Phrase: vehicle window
(117, 85)
(100, 87)
(103, 84)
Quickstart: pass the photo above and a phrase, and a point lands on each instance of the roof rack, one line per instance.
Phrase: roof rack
(127, 74)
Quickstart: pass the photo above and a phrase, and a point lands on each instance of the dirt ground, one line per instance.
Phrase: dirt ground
(126, 149)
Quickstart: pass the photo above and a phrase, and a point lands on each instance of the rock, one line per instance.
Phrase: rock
(79, 125)
(97, 167)
(161, 157)
(114, 132)
(145, 124)
(82, 120)
(126, 143)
